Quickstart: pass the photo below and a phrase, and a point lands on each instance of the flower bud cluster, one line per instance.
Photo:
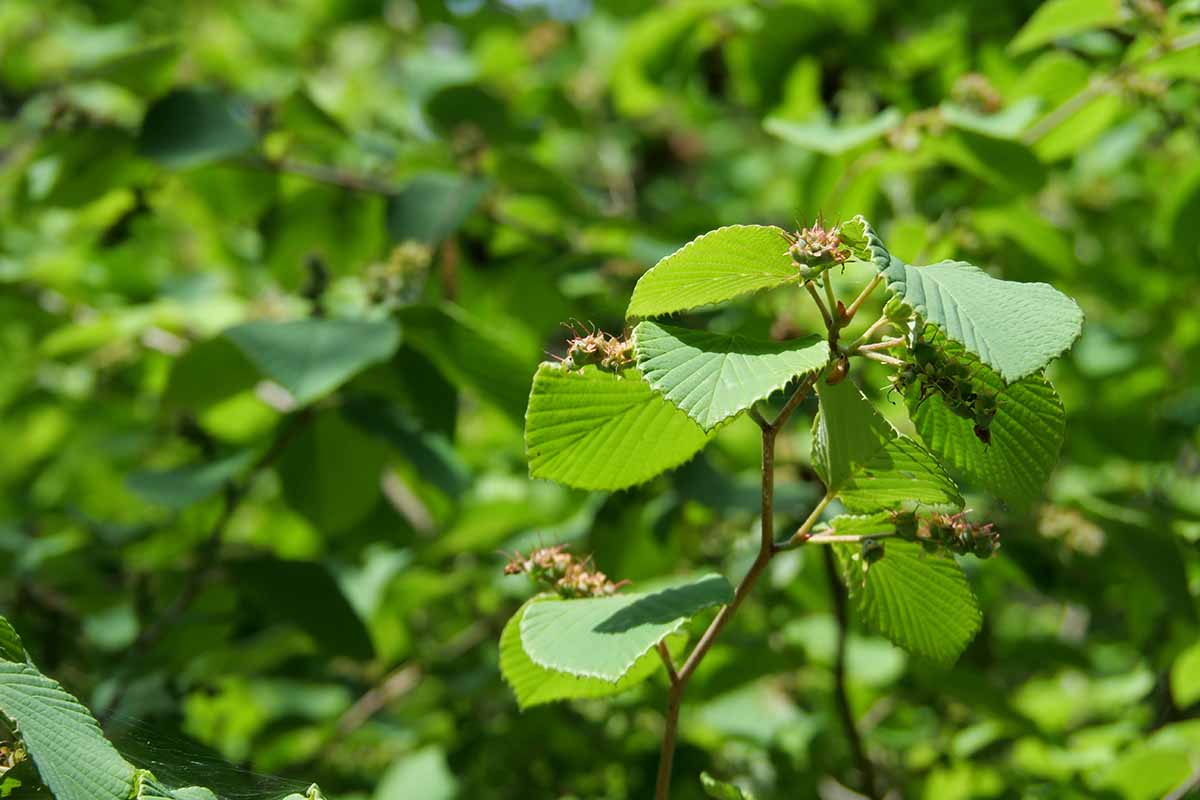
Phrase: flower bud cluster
(815, 249)
(611, 353)
(560, 571)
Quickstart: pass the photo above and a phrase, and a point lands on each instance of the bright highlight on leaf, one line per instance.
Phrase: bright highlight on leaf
(604, 637)
(821, 136)
(870, 465)
(595, 430)
(534, 684)
(312, 357)
(713, 377)
(718, 266)
(921, 601)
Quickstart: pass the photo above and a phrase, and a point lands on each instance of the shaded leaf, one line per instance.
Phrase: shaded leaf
(604, 637)
(596, 430)
(312, 357)
(718, 266)
(194, 126)
(921, 601)
(11, 648)
(712, 376)
(867, 463)
(182, 486)
(429, 208)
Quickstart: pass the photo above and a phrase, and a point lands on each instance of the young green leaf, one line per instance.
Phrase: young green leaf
(534, 684)
(712, 376)
(867, 463)
(11, 648)
(72, 756)
(595, 430)
(1055, 19)
(312, 357)
(1185, 677)
(722, 790)
(718, 266)
(1026, 433)
(180, 487)
(1015, 328)
(821, 136)
(432, 206)
(921, 601)
(604, 637)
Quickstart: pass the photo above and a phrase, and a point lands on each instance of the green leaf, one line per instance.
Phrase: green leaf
(1185, 677)
(423, 775)
(431, 207)
(718, 266)
(1056, 19)
(867, 463)
(470, 354)
(858, 525)
(1026, 434)
(1008, 123)
(331, 473)
(1008, 165)
(312, 357)
(712, 376)
(821, 136)
(192, 126)
(72, 756)
(304, 594)
(11, 647)
(534, 684)
(595, 430)
(182, 486)
(921, 601)
(722, 790)
(603, 637)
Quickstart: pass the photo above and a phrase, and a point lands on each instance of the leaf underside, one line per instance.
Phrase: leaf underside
(11, 648)
(870, 465)
(718, 266)
(920, 601)
(595, 430)
(713, 377)
(604, 637)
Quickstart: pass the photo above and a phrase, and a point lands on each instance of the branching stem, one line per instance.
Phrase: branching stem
(862, 297)
(867, 335)
(882, 359)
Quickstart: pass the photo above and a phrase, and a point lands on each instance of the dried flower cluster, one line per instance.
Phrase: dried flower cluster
(953, 532)
(590, 346)
(561, 571)
(817, 248)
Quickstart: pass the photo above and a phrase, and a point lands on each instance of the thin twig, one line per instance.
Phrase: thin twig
(668, 662)
(794, 401)
(816, 296)
(757, 416)
(804, 532)
(837, 594)
(867, 334)
(882, 359)
(830, 537)
(322, 173)
(882, 344)
(827, 283)
(1184, 789)
(398, 683)
(862, 297)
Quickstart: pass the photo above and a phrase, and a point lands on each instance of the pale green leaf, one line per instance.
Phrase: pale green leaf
(921, 601)
(312, 357)
(721, 790)
(858, 525)
(718, 266)
(712, 376)
(72, 756)
(1007, 123)
(11, 648)
(182, 486)
(1185, 677)
(595, 430)
(1056, 19)
(423, 774)
(822, 136)
(604, 637)
(867, 463)
(534, 684)
(1026, 434)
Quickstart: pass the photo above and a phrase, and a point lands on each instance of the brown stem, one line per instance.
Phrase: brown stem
(837, 594)
(668, 662)
(816, 296)
(666, 757)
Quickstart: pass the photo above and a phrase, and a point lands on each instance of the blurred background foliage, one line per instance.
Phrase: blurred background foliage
(242, 587)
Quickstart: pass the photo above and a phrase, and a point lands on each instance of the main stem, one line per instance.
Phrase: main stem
(766, 551)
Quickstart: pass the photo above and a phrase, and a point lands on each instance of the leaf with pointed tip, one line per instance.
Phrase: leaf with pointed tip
(718, 266)
(1015, 328)
(182, 486)
(921, 601)
(312, 357)
(11, 647)
(1026, 434)
(821, 136)
(604, 637)
(870, 465)
(596, 430)
(713, 377)
(534, 684)
(72, 756)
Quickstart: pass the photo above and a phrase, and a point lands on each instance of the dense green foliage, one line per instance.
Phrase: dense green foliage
(275, 283)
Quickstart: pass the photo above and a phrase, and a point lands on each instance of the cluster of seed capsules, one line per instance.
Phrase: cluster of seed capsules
(591, 346)
(953, 532)
(815, 249)
(560, 571)
(933, 372)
